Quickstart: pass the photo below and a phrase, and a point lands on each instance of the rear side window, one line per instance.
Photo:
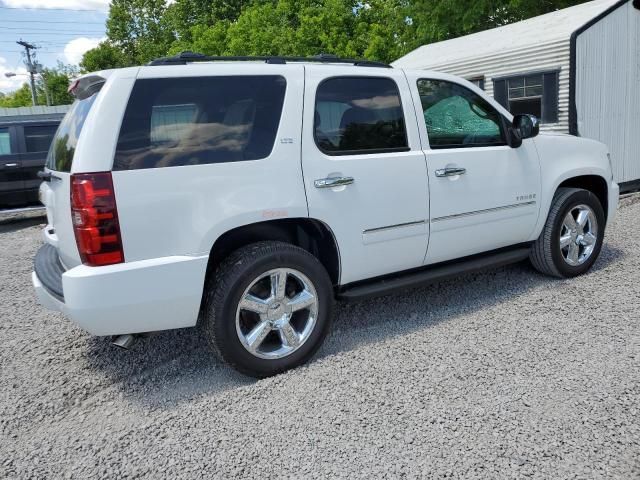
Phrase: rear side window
(65, 140)
(173, 122)
(38, 138)
(355, 115)
(5, 142)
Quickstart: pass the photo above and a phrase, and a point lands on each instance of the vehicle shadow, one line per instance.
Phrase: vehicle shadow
(167, 368)
(16, 224)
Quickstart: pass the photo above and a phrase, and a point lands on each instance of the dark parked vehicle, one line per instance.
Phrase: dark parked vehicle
(24, 143)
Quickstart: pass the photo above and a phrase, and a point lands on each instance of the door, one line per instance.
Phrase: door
(364, 171)
(484, 194)
(36, 140)
(11, 181)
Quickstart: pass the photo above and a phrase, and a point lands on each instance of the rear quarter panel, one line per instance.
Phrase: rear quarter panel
(182, 210)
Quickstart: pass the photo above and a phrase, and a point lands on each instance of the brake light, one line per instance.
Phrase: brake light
(95, 219)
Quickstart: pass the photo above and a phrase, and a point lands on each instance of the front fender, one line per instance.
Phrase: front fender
(564, 157)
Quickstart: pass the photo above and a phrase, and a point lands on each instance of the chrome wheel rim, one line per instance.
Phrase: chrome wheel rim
(277, 313)
(578, 235)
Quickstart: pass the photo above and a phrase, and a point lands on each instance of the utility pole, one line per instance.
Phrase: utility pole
(30, 67)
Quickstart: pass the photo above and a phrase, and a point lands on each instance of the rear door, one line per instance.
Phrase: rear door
(11, 181)
(36, 140)
(364, 171)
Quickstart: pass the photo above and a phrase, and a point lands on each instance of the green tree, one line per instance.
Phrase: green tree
(54, 83)
(18, 98)
(104, 57)
(436, 20)
(140, 29)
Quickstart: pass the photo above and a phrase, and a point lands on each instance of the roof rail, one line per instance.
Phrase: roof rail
(191, 57)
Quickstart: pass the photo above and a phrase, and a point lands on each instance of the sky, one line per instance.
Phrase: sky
(61, 29)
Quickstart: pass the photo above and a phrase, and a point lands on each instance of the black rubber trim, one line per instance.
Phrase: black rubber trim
(49, 270)
(628, 187)
(434, 273)
(573, 109)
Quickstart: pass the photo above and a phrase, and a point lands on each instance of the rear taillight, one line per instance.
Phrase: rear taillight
(95, 219)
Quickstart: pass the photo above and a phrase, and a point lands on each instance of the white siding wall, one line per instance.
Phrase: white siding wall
(545, 56)
(608, 88)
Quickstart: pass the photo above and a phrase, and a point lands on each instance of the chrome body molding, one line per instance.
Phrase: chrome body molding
(391, 227)
(479, 212)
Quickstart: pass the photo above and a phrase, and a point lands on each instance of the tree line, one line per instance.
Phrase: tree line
(141, 30)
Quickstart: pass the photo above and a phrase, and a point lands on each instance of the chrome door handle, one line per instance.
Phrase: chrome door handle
(332, 182)
(450, 172)
(10, 165)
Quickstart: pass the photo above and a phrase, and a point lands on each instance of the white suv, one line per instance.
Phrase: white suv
(244, 196)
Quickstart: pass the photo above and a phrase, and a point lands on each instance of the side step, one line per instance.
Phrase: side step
(432, 274)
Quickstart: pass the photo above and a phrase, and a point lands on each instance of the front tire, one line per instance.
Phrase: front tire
(572, 237)
(268, 309)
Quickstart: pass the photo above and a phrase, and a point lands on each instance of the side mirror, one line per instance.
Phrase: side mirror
(528, 126)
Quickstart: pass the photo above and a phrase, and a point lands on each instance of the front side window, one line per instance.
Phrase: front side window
(457, 117)
(355, 115)
(5, 142)
(38, 138)
(173, 122)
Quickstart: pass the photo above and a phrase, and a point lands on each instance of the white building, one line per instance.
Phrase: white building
(577, 69)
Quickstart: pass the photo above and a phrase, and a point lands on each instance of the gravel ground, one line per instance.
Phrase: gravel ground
(504, 374)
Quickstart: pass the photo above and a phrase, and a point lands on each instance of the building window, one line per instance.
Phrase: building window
(525, 95)
(536, 94)
(478, 82)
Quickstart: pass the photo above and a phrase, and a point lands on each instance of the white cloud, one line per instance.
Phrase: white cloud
(102, 5)
(75, 49)
(10, 84)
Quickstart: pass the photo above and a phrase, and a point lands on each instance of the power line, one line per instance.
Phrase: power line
(48, 30)
(50, 21)
(62, 9)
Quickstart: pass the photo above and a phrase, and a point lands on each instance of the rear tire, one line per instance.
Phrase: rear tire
(572, 237)
(268, 309)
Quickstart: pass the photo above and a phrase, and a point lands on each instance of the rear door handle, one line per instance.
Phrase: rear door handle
(332, 182)
(10, 165)
(450, 172)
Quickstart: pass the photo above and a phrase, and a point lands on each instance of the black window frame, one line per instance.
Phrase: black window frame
(504, 122)
(373, 151)
(549, 98)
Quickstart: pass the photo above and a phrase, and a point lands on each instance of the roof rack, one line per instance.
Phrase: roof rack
(190, 57)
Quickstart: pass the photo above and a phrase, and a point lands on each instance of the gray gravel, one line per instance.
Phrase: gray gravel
(505, 374)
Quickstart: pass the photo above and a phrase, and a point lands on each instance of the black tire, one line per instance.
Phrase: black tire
(235, 274)
(546, 254)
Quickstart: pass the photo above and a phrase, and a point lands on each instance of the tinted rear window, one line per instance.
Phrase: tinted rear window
(65, 140)
(356, 115)
(38, 138)
(172, 122)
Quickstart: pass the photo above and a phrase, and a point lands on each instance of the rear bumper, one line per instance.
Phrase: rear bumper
(135, 297)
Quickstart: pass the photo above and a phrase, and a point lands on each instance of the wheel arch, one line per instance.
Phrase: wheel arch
(310, 234)
(594, 184)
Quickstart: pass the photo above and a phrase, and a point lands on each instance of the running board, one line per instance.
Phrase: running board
(432, 274)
